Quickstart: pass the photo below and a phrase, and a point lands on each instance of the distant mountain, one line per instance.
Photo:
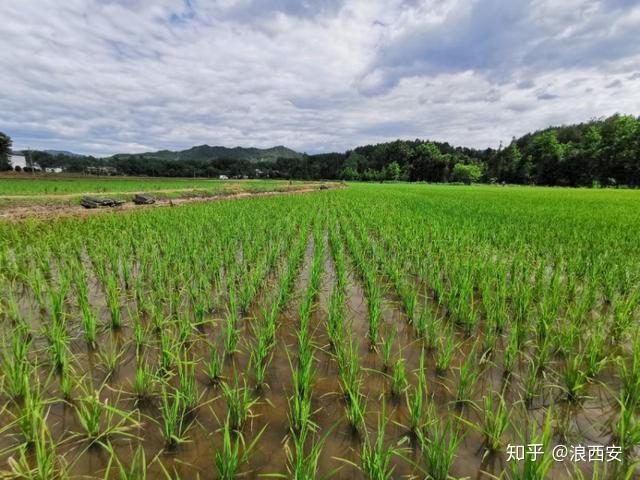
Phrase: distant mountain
(57, 153)
(206, 152)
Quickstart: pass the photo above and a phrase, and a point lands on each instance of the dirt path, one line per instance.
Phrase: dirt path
(63, 196)
(50, 211)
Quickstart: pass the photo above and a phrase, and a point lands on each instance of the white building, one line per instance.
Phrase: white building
(18, 161)
(21, 161)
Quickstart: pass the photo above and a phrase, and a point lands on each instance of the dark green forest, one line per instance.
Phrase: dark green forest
(602, 152)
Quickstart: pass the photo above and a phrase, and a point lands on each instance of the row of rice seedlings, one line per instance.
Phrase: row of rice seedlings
(303, 371)
(367, 269)
(15, 363)
(88, 318)
(351, 381)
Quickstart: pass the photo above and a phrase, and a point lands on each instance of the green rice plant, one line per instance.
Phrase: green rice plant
(174, 427)
(439, 447)
(234, 452)
(531, 382)
(575, 379)
(87, 316)
(624, 308)
(595, 356)
(231, 332)
(39, 460)
(143, 381)
(468, 377)
(416, 401)
(511, 351)
(387, 347)
(376, 457)
(422, 321)
(445, 351)
(495, 421)
(303, 455)
(32, 411)
(214, 366)
(630, 378)
(399, 380)
(239, 403)
(534, 468)
(137, 469)
(187, 387)
(356, 408)
(109, 358)
(57, 297)
(627, 430)
(261, 353)
(15, 363)
(67, 381)
(300, 409)
(166, 355)
(433, 328)
(113, 301)
(58, 344)
(335, 319)
(101, 421)
(374, 302)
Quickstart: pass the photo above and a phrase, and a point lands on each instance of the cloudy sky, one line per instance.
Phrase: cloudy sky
(107, 76)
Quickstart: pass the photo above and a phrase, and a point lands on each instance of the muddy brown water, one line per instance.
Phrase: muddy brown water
(587, 423)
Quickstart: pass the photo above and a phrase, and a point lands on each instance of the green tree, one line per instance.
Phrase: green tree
(349, 173)
(5, 151)
(466, 173)
(392, 171)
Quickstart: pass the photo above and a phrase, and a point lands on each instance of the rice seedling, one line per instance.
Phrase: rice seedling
(261, 352)
(439, 447)
(38, 460)
(138, 468)
(100, 420)
(32, 412)
(143, 382)
(387, 347)
(416, 400)
(467, 377)
(399, 380)
(496, 420)
(445, 351)
(215, 366)
(187, 387)
(113, 301)
(534, 467)
(234, 452)
(239, 403)
(575, 379)
(303, 455)
(87, 316)
(110, 357)
(174, 426)
(15, 363)
(375, 457)
(231, 332)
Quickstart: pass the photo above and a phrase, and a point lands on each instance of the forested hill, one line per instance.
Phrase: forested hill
(599, 152)
(206, 152)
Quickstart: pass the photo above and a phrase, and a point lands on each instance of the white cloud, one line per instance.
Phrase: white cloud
(106, 76)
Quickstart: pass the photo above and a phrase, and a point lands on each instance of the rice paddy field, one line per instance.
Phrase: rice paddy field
(374, 331)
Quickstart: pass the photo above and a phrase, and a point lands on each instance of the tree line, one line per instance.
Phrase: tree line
(599, 152)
